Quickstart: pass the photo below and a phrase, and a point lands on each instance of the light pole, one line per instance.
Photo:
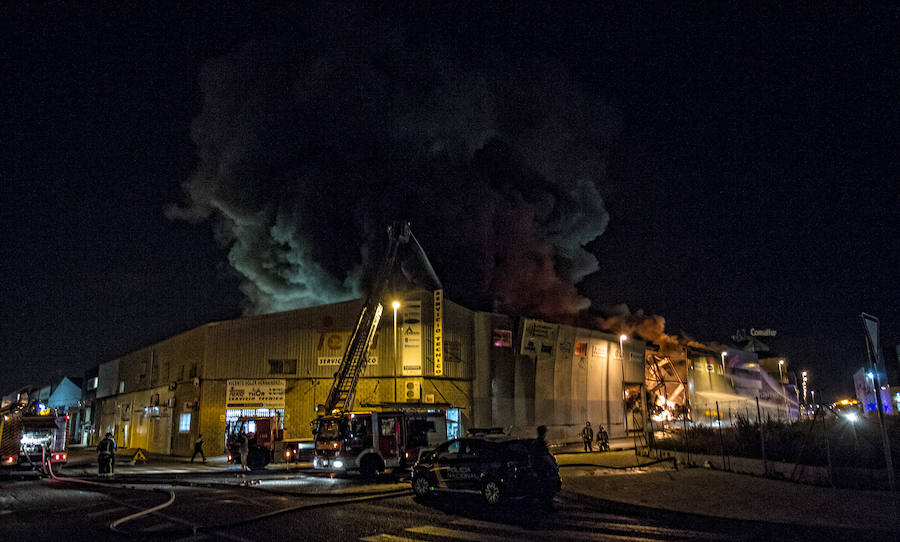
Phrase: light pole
(723, 364)
(780, 371)
(622, 339)
(395, 305)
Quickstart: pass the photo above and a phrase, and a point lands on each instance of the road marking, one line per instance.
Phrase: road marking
(432, 530)
(552, 533)
(389, 538)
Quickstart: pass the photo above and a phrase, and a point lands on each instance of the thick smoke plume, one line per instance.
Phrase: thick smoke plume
(650, 328)
(307, 153)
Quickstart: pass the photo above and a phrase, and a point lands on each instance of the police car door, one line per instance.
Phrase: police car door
(465, 472)
(445, 459)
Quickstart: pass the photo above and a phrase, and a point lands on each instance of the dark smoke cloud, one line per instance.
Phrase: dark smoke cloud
(650, 327)
(307, 153)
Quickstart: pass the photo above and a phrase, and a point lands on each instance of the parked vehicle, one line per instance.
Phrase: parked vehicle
(496, 470)
(372, 441)
(27, 441)
(262, 434)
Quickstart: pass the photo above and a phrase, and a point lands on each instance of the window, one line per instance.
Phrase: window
(93, 383)
(184, 423)
(581, 348)
(282, 366)
(502, 338)
(121, 386)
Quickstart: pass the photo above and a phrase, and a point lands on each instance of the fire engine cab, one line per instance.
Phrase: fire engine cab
(372, 441)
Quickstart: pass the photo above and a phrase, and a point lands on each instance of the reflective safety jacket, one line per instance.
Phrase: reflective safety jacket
(106, 447)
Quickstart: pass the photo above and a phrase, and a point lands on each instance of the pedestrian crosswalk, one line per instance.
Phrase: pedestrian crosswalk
(576, 523)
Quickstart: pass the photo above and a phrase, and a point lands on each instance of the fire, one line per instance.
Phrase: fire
(667, 407)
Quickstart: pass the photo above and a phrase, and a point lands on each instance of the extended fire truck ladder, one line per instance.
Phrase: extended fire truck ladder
(343, 391)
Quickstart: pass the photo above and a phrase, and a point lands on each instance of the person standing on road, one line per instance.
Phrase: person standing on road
(602, 439)
(106, 456)
(587, 435)
(198, 448)
(245, 450)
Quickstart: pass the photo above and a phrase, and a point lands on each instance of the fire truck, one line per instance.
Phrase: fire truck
(371, 441)
(29, 440)
(262, 434)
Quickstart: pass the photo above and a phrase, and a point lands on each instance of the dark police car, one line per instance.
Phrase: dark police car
(495, 469)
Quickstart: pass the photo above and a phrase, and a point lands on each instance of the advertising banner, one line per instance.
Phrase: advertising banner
(539, 338)
(336, 360)
(411, 337)
(438, 332)
(267, 393)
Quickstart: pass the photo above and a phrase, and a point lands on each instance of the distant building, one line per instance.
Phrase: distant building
(864, 382)
(66, 394)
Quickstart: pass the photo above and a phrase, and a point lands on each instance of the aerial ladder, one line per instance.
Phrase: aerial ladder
(353, 362)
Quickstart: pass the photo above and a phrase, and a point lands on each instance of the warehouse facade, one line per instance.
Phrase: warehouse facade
(488, 369)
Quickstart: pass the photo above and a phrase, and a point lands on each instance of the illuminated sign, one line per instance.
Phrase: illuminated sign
(411, 335)
(763, 332)
(438, 333)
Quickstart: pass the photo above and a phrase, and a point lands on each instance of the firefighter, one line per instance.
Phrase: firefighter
(602, 439)
(106, 456)
(245, 450)
(587, 435)
(198, 448)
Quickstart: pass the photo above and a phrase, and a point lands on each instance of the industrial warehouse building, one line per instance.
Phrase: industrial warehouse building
(487, 369)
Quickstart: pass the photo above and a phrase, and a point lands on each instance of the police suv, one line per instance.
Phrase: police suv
(495, 469)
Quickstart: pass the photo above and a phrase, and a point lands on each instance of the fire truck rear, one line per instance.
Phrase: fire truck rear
(28, 441)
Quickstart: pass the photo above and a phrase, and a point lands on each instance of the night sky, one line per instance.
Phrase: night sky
(722, 166)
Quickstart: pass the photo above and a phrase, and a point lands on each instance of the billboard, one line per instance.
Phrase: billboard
(265, 393)
(411, 338)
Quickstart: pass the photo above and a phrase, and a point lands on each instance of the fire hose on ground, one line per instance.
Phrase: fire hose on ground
(195, 529)
(48, 469)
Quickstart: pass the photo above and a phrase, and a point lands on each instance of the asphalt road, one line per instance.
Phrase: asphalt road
(308, 506)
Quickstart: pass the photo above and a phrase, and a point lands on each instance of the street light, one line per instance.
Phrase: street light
(780, 373)
(622, 339)
(723, 362)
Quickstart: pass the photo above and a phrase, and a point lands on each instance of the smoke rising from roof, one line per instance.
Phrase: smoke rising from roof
(650, 328)
(306, 153)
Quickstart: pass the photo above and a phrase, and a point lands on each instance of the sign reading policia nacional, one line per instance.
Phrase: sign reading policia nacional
(265, 393)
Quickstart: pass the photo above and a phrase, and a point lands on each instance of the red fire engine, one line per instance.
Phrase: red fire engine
(370, 441)
(28, 441)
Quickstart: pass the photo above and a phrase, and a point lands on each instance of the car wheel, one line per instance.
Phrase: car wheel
(421, 487)
(492, 493)
(370, 466)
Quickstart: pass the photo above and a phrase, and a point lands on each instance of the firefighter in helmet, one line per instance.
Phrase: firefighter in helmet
(106, 456)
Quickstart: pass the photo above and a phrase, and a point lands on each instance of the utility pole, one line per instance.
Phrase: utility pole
(871, 326)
